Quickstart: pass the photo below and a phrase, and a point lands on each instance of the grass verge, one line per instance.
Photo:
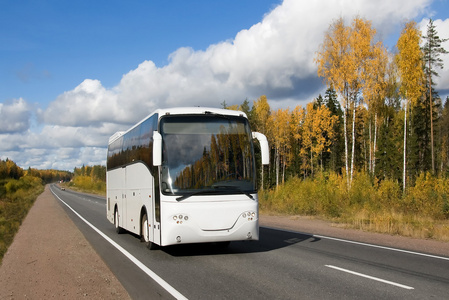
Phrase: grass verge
(421, 212)
(16, 199)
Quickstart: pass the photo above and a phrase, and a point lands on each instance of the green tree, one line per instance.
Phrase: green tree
(333, 158)
(432, 61)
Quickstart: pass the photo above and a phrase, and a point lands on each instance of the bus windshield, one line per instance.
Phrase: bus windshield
(206, 154)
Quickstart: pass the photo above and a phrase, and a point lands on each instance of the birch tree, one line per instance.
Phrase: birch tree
(409, 63)
(374, 93)
(281, 137)
(344, 60)
(261, 113)
(334, 66)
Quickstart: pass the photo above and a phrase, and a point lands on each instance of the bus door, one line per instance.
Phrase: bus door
(156, 210)
(124, 208)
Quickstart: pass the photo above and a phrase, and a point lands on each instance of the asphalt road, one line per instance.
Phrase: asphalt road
(281, 265)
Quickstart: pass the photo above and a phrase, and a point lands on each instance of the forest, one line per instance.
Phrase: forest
(90, 179)
(373, 151)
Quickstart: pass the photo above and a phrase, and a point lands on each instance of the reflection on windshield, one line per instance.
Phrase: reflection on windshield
(206, 153)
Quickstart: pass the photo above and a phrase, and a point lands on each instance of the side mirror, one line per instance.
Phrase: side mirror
(265, 151)
(157, 149)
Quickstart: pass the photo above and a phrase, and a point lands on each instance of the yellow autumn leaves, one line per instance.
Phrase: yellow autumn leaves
(306, 133)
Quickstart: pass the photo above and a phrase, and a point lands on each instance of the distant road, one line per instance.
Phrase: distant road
(282, 265)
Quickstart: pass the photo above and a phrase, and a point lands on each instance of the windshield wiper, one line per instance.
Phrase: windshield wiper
(218, 115)
(203, 192)
(234, 189)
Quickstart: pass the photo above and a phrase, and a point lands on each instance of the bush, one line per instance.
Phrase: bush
(428, 198)
(369, 204)
(88, 184)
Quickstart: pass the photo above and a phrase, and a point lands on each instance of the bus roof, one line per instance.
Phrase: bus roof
(198, 110)
(181, 111)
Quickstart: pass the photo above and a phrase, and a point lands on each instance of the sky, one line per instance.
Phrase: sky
(72, 73)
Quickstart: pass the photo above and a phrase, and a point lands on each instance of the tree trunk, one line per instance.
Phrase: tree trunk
(375, 143)
(345, 123)
(311, 161)
(431, 120)
(370, 166)
(353, 143)
(277, 166)
(405, 148)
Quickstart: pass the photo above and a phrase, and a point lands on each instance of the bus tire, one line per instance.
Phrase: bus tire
(145, 233)
(118, 229)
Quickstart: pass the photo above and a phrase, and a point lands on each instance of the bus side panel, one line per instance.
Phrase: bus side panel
(139, 187)
(114, 193)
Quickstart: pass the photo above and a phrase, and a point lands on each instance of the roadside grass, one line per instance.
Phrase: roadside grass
(16, 198)
(370, 205)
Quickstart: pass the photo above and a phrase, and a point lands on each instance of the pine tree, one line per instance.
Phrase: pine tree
(333, 158)
(432, 51)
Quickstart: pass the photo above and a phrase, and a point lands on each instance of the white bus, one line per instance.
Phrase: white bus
(185, 175)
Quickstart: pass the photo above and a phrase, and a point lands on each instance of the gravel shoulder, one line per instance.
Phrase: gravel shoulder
(50, 258)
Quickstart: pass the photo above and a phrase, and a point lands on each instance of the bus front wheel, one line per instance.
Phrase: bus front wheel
(145, 233)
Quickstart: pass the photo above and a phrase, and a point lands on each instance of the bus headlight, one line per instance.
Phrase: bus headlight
(179, 218)
(249, 215)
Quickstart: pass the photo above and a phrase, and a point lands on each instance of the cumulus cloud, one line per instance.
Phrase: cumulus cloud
(14, 116)
(274, 57)
(87, 104)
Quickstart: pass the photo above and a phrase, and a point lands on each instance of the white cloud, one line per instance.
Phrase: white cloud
(14, 116)
(58, 158)
(273, 57)
(87, 104)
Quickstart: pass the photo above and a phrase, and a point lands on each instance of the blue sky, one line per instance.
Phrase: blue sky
(49, 47)
(74, 72)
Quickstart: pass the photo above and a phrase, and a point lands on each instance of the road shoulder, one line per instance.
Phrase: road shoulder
(315, 226)
(50, 258)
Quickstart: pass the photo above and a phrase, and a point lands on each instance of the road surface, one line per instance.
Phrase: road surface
(282, 265)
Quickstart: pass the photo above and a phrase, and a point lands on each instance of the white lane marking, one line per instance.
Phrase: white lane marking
(382, 247)
(359, 243)
(371, 277)
(144, 268)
